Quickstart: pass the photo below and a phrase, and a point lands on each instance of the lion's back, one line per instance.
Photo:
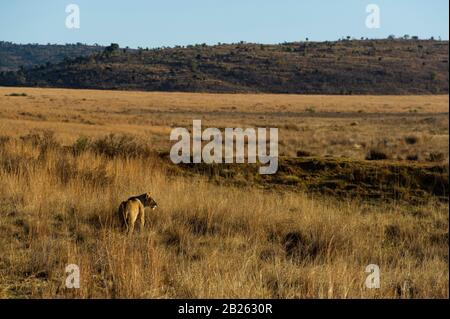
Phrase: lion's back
(133, 204)
(129, 207)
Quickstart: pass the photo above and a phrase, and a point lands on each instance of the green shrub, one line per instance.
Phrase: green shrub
(376, 155)
(301, 153)
(81, 145)
(44, 140)
(436, 157)
(310, 109)
(17, 94)
(114, 145)
(411, 140)
(414, 157)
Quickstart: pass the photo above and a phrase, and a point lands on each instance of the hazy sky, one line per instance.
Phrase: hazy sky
(154, 23)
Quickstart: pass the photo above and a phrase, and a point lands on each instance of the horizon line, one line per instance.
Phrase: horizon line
(307, 40)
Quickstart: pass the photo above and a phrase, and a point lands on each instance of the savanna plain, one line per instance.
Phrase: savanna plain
(362, 180)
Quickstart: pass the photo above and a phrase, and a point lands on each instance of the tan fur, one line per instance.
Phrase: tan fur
(133, 209)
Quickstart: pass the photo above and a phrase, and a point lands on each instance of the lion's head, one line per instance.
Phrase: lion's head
(150, 202)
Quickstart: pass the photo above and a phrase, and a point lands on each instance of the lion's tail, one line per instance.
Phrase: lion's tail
(123, 214)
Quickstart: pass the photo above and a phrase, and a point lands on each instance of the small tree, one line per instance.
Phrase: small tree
(114, 47)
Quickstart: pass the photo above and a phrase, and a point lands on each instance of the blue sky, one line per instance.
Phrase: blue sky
(152, 23)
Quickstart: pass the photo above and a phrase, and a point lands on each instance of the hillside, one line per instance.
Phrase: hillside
(14, 56)
(342, 67)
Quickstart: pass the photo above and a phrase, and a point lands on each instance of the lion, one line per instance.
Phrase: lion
(133, 208)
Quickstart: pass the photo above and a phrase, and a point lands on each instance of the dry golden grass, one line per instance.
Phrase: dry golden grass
(204, 240)
(322, 125)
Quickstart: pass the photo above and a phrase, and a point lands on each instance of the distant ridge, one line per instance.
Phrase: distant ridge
(391, 66)
(14, 56)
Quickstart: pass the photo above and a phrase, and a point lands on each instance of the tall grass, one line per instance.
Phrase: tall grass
(58, 207)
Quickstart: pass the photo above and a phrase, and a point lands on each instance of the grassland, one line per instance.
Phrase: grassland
(63, 178)
(321, 125)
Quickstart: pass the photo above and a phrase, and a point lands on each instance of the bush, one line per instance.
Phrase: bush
(411, 140)
(81, 145)
(301, 153)
(120, 145)
(392, 233)
(290, 126)
(299, 246)
(310, 109)
(4, 140)
(436, 157)
(414, 157)
(376, 155)
(17, 94)
(45, 140)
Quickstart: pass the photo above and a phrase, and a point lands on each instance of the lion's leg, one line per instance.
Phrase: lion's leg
(132, 216)
(131, 225)
(123, 216)
(125, 224)
(142, 216)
